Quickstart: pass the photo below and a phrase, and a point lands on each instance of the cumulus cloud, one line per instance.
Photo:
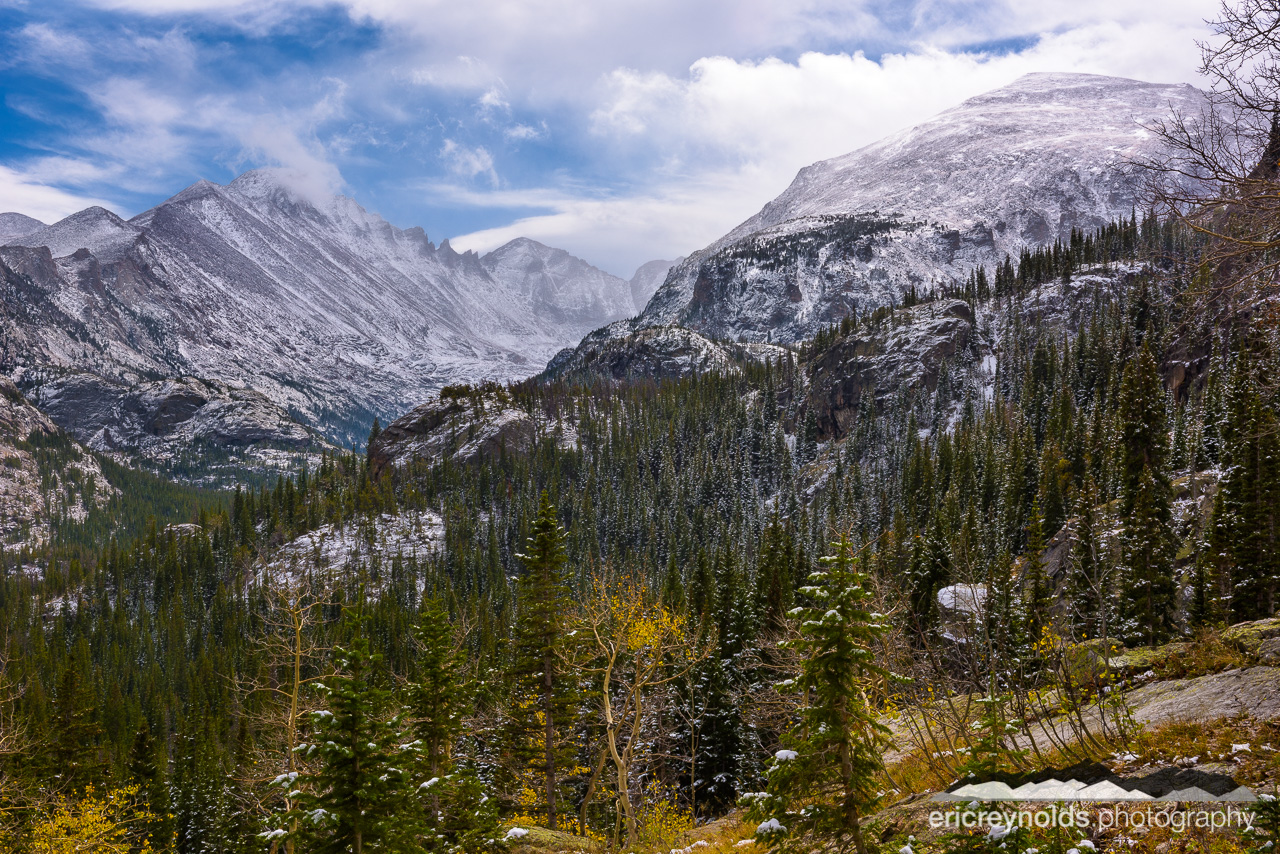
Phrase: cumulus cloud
(663, 123)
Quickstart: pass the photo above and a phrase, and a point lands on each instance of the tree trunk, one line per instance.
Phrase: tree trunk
(852, 821)
(296, 689)
(550, 738)
(591, 791)
(620, 759)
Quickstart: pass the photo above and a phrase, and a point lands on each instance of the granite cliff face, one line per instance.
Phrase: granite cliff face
(164, 421)
(1020, 166)
(908, 353)
(462, 426)
(660, 352)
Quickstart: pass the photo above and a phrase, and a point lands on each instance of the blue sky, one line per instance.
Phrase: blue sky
(622, 131)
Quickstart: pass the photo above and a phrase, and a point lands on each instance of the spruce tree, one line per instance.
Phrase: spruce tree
(460, 817)
(1247, 510)
(542, 606)
(1146, 542)
(357, 801)
(823, 783)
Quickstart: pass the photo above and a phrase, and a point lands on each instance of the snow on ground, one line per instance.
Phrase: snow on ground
(331, 551)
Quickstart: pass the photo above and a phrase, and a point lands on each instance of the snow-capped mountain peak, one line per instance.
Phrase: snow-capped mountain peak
(14, 225)
(95, 228)
(323, 306)
(1019, 166)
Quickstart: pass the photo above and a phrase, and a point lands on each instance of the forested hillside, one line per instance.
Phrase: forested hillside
(604, 636)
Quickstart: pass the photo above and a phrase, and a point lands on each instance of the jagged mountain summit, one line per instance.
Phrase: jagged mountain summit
(1019, 166)
(558, 287)
(327, 309)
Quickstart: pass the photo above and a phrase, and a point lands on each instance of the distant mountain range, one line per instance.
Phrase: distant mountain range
(326, 314)
(329, 311)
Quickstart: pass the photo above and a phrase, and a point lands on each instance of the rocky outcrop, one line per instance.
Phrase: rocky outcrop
(462, 425)
(665, 352)
(907, 353)
(163, 420)
(45, 476)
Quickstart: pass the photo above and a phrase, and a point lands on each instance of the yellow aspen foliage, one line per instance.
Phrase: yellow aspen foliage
(111, 823)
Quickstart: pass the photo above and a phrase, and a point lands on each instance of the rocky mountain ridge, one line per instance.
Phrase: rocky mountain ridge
(34, 494)
(328, 310)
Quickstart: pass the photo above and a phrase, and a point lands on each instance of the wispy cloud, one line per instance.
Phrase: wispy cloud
(27, 194)
(637, 129)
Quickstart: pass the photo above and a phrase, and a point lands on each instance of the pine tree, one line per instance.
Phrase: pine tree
(540, 675)
(1146, 543)
(460, 817)
(1247, 510)
(1036, 585)
(358, 799)
(1146, 553)
(1087, 585)
(437, 697)
(824, 782)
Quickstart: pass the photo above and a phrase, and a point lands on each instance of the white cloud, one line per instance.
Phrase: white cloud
(41, 40)
(519, 132)
(731, 134)
(492, 100)
(302, 165)
(26, 194)
(468, 162)
(619, 233)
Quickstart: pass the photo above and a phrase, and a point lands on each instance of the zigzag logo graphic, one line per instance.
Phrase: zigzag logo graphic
(1095, 783)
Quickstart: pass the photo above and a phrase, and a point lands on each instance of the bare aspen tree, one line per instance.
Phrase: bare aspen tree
(295, 607)
(1217, 169)
(635, 646)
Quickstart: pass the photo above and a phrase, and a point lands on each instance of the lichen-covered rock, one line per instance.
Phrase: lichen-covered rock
(1253, 691)
(1249, 637)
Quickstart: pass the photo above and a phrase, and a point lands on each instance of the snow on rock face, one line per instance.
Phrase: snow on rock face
(466, 426)
(908, 352)
(1029, 160)
(97, 229)
(463, 427)
(1018, 166)
(16, 225)
(559, 287)
(161, 419)
(331, 550)
(648, 277)
(664, 352)
(327, 309)
(27, 503)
